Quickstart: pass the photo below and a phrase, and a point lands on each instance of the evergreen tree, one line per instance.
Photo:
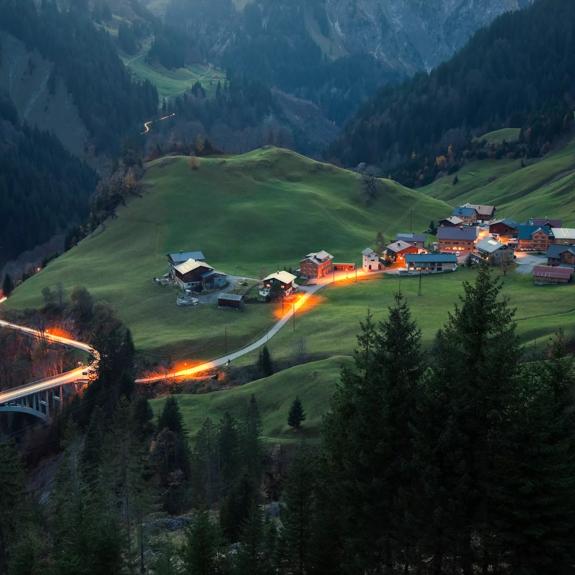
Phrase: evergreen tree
(237, 506)
(250, 559)
(477, 357)
(297, 515)
(205, 460)
(142, 418)
(265, 362)
(11, 500)
(251, 448)
(171, 417)
(296, 414)
(201, 547)
(228, 452)
(7, 285)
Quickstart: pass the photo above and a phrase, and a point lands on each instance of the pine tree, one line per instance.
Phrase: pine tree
(236, 507)
(205, 465)
(7, 285)
(202, 544)
(11, 500)
(477, 357)
(171, 417)
(250, 559)
(251, 447)
(297, 515)
(228, 452)
(296, 414)
(265, 362)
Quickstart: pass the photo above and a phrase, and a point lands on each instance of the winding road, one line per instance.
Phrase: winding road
(148, 124)
(79, 374)
(68, 377)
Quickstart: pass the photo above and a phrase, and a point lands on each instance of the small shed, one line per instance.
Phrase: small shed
(543, 275)
(231, 300)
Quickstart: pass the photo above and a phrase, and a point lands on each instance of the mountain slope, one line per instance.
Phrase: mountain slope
(250, 215)
(519, 72)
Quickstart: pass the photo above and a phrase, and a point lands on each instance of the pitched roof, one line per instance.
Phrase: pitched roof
(319, 257)
(553, 272)
(368, 252)
(506, 221)
(191, 265)
(555, 250)
(431, 258)
(398, 246)
(411, 237)
(283, 277)
(230, 297)
(181, 257)
(464, 211)
(564, 233)
(551, 222)
(489, 245)
(454, 220)
(468, 233)
(525, 231)
(481, 209)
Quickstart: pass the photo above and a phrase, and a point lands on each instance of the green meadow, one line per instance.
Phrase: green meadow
(250, 215)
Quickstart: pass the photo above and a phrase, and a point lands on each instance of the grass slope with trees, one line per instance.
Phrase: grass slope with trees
(251, 215)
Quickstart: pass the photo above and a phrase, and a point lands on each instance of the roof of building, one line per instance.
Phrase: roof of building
(411, 237)
(468, 233)
(553, 272)
(464, 211)
(431, 258)
(506, 221)
(397, 247)
(283, 277)
(230, 297)
(181, 257)
(454, 220)
(368, 252)
(555, 250)
(319, 257)
(525, 231)
(551, 222)
(489, 245)
(563, 233)
(191, 265)
(481, 209)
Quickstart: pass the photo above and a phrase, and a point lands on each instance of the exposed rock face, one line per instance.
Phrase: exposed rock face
(411, 35)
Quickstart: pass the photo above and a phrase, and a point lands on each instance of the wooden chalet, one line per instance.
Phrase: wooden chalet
(543, 275)
(431, 263)
(396, 251)
(316, 265)
(457, 240)
(532, 238)
(560, 255)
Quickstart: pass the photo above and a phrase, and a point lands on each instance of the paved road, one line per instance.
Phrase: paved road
(66, 378)
(308, 292)
(148, 124)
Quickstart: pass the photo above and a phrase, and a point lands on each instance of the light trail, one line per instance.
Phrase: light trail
(148, 124)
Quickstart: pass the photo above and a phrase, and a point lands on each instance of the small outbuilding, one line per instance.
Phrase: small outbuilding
(543, 275)
(431, 263)
(231, 300)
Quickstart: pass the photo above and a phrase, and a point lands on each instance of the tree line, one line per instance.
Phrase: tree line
(518, 72)
(455, 460)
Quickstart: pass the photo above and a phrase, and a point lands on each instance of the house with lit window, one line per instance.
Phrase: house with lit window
(457, 240)
(505, 229)
(197, 276)
(431, 263)
(316, 265)
(281, 283)
(532, 238)
(371, 261)
(396, 251)
(417, 240)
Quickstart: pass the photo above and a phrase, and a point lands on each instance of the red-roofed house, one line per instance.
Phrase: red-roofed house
(552, 275)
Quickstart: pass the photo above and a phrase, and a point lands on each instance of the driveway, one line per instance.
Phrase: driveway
(526, 262)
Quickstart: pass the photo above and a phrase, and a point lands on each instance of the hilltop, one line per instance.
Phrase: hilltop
(250, 215)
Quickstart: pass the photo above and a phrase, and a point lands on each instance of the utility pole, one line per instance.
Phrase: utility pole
(420, 276)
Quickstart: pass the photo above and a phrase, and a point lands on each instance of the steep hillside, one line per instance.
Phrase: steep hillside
(541, 188)
(518, 73)
(67, 77)
(249, 214)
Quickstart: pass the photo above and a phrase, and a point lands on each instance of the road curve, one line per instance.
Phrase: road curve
(48, 383)
(224, 360)
(148, 124)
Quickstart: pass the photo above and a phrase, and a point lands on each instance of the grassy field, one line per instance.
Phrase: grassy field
(250, 215)
(170, 83)
(542, 188)
(331, 328)
(314, 383)
(500, 136)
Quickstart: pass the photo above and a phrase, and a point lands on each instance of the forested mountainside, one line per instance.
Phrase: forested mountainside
(519, 72)
(76, 61)
(43, 189)
(332, 52)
